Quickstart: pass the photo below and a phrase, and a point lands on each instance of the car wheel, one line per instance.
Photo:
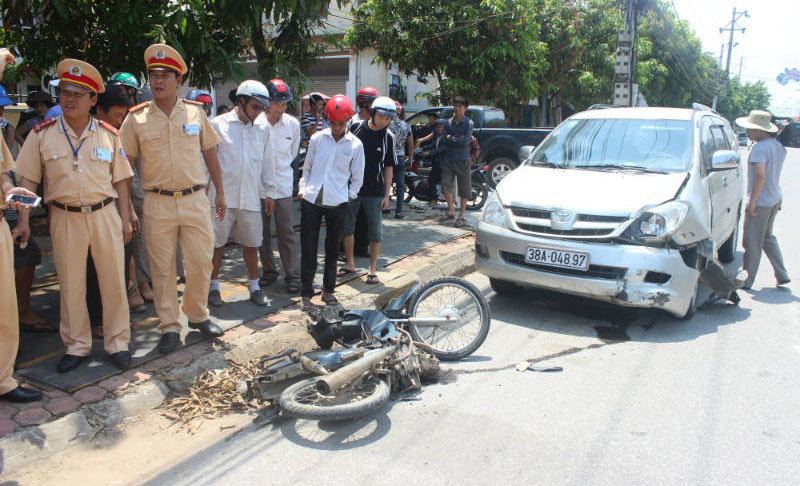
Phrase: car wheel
(727, 251)
(497, 169)
(504, 287)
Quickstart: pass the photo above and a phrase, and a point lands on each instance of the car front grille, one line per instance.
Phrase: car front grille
(595, 271)
(538, 221)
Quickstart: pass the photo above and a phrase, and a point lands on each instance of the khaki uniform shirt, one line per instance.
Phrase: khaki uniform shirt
(82, 182)
(169, 147)
(6, 164)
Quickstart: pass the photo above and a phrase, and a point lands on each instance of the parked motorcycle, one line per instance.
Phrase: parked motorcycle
(444, 318)
(417, 185)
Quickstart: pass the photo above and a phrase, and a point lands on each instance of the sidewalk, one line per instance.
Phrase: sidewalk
(36, 430)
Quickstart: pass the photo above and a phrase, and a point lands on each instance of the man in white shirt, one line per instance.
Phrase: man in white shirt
(285, 142)
(245, 156)
(332, 176)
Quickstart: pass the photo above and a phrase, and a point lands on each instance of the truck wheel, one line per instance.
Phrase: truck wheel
(497, 169)
(504, 287)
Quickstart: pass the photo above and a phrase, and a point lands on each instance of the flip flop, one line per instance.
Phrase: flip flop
(343, 272)
(147, 296)
(40, 327)
(330, 299)
(293, 288)
(459, 223)
(447, 217)
(373, 279)
(136, 309)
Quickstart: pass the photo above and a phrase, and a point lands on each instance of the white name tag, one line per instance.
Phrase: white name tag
(102, 154)
(191, 129)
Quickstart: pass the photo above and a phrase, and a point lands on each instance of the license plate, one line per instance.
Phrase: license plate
(552, 257)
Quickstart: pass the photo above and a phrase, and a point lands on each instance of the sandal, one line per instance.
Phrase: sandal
(146, 292)
(343, 272)
(306, 304)
(373, 279)
(447, 217)
(330, 299)
(267, 280)
(293, 288)
(459, 223)
(135, 308)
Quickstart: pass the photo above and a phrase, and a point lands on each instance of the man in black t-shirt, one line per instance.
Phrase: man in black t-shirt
(379, 162)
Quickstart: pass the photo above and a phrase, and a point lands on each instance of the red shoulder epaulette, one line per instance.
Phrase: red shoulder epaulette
(41, 126)
(109, 127)
(138, 107)
(194, 102)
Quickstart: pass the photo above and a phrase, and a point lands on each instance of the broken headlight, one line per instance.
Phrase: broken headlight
(658, 223)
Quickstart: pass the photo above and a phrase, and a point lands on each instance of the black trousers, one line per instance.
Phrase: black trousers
(310, 222)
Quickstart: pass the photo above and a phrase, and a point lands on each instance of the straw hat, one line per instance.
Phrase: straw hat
(758, 120)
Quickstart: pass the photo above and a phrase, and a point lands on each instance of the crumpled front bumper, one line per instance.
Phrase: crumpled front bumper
(627, 275)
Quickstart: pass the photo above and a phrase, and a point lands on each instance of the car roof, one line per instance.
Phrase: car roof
(641, 113)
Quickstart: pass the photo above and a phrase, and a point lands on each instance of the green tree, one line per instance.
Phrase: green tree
(488, 50)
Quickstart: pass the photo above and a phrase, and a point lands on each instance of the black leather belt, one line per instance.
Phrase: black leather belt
(184, 192)
(84, 209)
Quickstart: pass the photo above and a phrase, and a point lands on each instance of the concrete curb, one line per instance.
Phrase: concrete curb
(30, 444)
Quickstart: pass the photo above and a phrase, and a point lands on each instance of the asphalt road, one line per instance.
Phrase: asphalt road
(642, 399)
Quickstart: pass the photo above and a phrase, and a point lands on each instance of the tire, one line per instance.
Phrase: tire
(302, 400)
(459, 298)
(504, 287)
(479, 192)
(497, 169)
(409, 193)
(727, 252)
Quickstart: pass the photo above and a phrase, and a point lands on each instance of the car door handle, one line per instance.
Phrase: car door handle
(725, 181)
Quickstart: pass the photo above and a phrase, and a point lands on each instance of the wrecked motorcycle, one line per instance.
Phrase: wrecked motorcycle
(395, 348)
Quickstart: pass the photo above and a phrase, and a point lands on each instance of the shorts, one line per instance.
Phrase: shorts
(459, 170)
(246, 227)
(372, 208)
(27, 257)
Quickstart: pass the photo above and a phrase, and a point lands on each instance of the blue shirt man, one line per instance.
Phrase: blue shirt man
(457, 133)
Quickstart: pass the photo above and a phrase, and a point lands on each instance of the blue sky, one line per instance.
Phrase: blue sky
(768, 45)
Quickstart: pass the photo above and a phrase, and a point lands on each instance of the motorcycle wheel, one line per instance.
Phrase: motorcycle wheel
(409, 193)
(302, 400)
(478, 196)
(450, 297)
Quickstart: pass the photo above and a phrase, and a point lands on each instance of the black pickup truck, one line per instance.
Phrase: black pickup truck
(499, 144)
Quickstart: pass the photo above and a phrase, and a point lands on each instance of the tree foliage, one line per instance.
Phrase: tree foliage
(213, 36)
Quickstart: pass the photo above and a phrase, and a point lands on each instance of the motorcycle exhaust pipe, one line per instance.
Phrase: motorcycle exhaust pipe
(354, 370)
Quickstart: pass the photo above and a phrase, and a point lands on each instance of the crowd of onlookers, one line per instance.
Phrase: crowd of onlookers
(142, 190)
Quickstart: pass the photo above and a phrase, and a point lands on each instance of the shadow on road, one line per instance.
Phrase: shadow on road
(566, 314)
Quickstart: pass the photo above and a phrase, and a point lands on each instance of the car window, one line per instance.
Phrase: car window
(707, 145)
(661, 145)
(720, 141)
(419, 118)
(494, 117)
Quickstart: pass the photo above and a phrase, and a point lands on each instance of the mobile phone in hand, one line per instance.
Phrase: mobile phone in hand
(31, 201)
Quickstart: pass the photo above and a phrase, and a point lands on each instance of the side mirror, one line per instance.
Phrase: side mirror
(525, 152)
(724, 160)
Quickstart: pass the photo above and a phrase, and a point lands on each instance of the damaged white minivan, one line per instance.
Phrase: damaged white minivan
(625, 205)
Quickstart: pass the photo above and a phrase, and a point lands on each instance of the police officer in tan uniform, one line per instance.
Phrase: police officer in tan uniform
(84, 170)
(168, 135)
(9, 326)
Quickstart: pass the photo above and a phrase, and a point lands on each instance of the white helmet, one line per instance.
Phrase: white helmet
(254, 89)
(385, 106)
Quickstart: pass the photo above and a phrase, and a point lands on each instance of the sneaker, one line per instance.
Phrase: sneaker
(214, 299)
(257, 297)
(399, 215)
(784, 281)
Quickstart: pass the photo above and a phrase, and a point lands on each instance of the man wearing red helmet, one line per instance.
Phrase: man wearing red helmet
(364, 99)
(332, 176)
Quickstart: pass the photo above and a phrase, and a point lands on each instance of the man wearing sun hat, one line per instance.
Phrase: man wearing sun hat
(84, 170)
(168, 135)
(764, 196)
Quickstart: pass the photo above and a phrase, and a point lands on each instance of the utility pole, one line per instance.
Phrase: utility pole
(732, 27)
(625, 90)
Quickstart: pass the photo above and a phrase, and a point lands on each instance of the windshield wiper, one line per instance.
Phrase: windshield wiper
(638, 168)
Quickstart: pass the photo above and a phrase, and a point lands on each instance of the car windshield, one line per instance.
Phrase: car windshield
(617, 144)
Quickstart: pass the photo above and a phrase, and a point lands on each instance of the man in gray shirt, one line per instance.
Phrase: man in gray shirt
(764, 196)
(457, 132)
